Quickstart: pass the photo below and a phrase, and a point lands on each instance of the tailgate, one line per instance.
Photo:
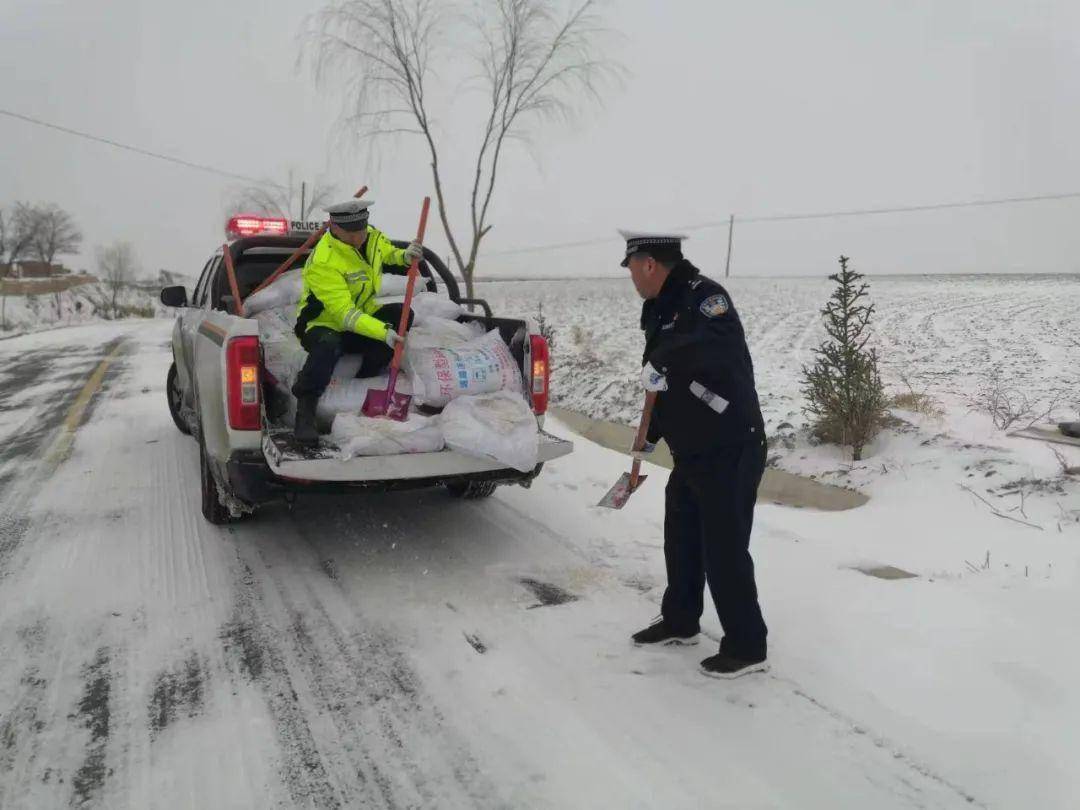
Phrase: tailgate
(290, 460)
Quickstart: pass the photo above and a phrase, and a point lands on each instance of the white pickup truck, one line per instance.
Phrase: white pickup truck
(218, 392)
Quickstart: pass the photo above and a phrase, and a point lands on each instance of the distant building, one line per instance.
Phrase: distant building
(29, 269)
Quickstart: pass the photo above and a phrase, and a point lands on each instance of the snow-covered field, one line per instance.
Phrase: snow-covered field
(949, 337)
(946, 334)
(410, 650)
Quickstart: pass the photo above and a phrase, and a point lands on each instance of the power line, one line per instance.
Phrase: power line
(902, 209)
(145, 152)
(899, 209)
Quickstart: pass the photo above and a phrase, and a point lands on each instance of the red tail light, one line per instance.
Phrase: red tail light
(250, 225)
(242, 377)
(541, 373)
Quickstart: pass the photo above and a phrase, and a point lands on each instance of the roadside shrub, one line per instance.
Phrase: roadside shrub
(916, 401)
(1008, 406)
(580, 337)
(134, 311)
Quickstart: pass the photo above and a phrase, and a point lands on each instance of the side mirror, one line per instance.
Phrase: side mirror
(174, 297)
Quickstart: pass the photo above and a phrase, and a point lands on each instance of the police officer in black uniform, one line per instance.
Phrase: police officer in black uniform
(707, 410)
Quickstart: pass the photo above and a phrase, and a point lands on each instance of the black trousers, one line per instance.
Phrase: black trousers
(326, 346)
(707, 524)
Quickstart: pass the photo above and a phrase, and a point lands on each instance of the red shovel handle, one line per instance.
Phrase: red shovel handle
(414, 271)
(642, 436)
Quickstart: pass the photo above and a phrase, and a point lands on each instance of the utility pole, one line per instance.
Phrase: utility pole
(303, 199)
(730, 231)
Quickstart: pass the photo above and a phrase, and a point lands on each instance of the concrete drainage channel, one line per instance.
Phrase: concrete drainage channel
(777, 486)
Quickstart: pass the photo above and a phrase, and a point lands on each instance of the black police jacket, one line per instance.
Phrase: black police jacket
(694, 337)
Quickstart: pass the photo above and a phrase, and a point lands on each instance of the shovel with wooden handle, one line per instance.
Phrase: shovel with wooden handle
(388, 403)
(628, 483)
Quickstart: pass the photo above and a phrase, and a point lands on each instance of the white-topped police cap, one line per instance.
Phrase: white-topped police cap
(638, 241)
(352, 215)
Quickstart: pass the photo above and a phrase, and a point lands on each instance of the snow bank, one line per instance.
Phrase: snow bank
(77, 306)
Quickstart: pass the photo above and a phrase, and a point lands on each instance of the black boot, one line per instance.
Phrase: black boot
(660, 632)
(306, 430)
(727, 667)
(1070, 429)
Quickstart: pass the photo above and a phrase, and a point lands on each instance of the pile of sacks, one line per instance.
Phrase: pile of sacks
(456, 366)
(498, 426)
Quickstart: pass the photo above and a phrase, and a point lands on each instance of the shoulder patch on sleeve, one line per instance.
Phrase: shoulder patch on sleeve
(714, 306)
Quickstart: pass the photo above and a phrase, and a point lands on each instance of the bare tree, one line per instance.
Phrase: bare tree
(56, 235)
(18, 228)
(534, 66)
(117, 267)
(294, 201)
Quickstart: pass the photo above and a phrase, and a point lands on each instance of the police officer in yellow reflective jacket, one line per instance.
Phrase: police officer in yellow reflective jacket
(337, 313)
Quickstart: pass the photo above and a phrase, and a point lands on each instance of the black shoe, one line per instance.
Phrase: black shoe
(724, 666)
(306, 430)
(660, 632)
(1070, 429)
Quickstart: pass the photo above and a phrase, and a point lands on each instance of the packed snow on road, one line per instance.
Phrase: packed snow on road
(407, 649)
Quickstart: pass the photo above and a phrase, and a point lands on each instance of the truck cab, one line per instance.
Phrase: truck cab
(221, 393)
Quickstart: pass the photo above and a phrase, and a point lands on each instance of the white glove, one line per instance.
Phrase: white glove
(414, 252)
(652, 379)
(392, 338)
(646, 449)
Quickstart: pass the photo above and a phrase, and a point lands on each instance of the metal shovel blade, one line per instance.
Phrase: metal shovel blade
(384, 404)
(619, 494)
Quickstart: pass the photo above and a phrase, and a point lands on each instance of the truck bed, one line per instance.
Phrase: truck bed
(290, 460)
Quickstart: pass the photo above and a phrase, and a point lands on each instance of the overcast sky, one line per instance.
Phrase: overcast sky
(747, 108)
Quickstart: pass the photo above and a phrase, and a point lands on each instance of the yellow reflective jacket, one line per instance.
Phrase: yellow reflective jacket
(341, 282)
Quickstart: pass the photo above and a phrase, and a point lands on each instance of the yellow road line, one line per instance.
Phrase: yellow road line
(62, 443)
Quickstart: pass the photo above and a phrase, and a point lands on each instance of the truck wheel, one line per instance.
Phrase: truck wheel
(212, 507)
(472, 490)
(175, 397)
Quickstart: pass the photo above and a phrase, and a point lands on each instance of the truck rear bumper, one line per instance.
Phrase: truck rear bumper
(256, 477)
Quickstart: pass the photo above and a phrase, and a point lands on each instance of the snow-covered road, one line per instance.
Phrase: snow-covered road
(409, 650)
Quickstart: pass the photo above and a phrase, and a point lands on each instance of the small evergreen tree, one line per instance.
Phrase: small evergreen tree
(545, 327)
(843, 388)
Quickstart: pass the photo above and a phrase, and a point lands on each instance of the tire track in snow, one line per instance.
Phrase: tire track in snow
(111, 729)
(23, 720)
(178, 691)
(252, 645)
(353, 703)
(854, 728)
(857, 731)
(64, 757)
(93, 713)
(21, 374)
(40, 447)
(37, 453)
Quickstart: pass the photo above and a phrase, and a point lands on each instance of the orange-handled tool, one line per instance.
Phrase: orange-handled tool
(388, 403)
(619, 494)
